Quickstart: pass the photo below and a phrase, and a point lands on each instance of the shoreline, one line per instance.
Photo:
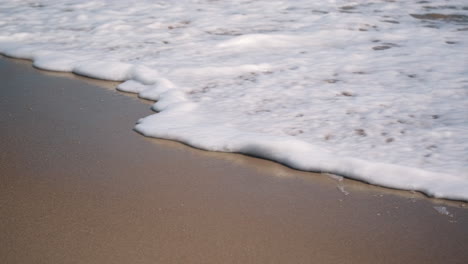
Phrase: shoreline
(386, 175)
(100, 192)
(112, 86)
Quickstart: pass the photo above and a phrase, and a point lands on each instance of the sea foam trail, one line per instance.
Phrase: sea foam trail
(371, 90)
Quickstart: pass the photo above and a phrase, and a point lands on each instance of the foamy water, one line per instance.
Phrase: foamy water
(371, 90)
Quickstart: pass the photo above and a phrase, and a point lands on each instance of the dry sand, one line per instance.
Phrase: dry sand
(77, 185)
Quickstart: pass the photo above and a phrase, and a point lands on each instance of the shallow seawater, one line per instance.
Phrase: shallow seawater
(372, 90)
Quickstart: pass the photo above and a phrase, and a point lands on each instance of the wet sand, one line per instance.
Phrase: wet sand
(78, 185)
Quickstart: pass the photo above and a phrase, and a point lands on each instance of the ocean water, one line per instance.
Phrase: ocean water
(372, 90)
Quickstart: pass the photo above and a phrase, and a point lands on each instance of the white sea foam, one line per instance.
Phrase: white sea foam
(443, 210)
(371, 90)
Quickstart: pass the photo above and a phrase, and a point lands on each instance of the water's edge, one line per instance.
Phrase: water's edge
(289, 152)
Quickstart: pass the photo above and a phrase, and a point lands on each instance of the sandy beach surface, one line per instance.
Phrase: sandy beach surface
(78, 185)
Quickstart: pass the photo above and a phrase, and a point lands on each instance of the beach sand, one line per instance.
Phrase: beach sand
(78, 185)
